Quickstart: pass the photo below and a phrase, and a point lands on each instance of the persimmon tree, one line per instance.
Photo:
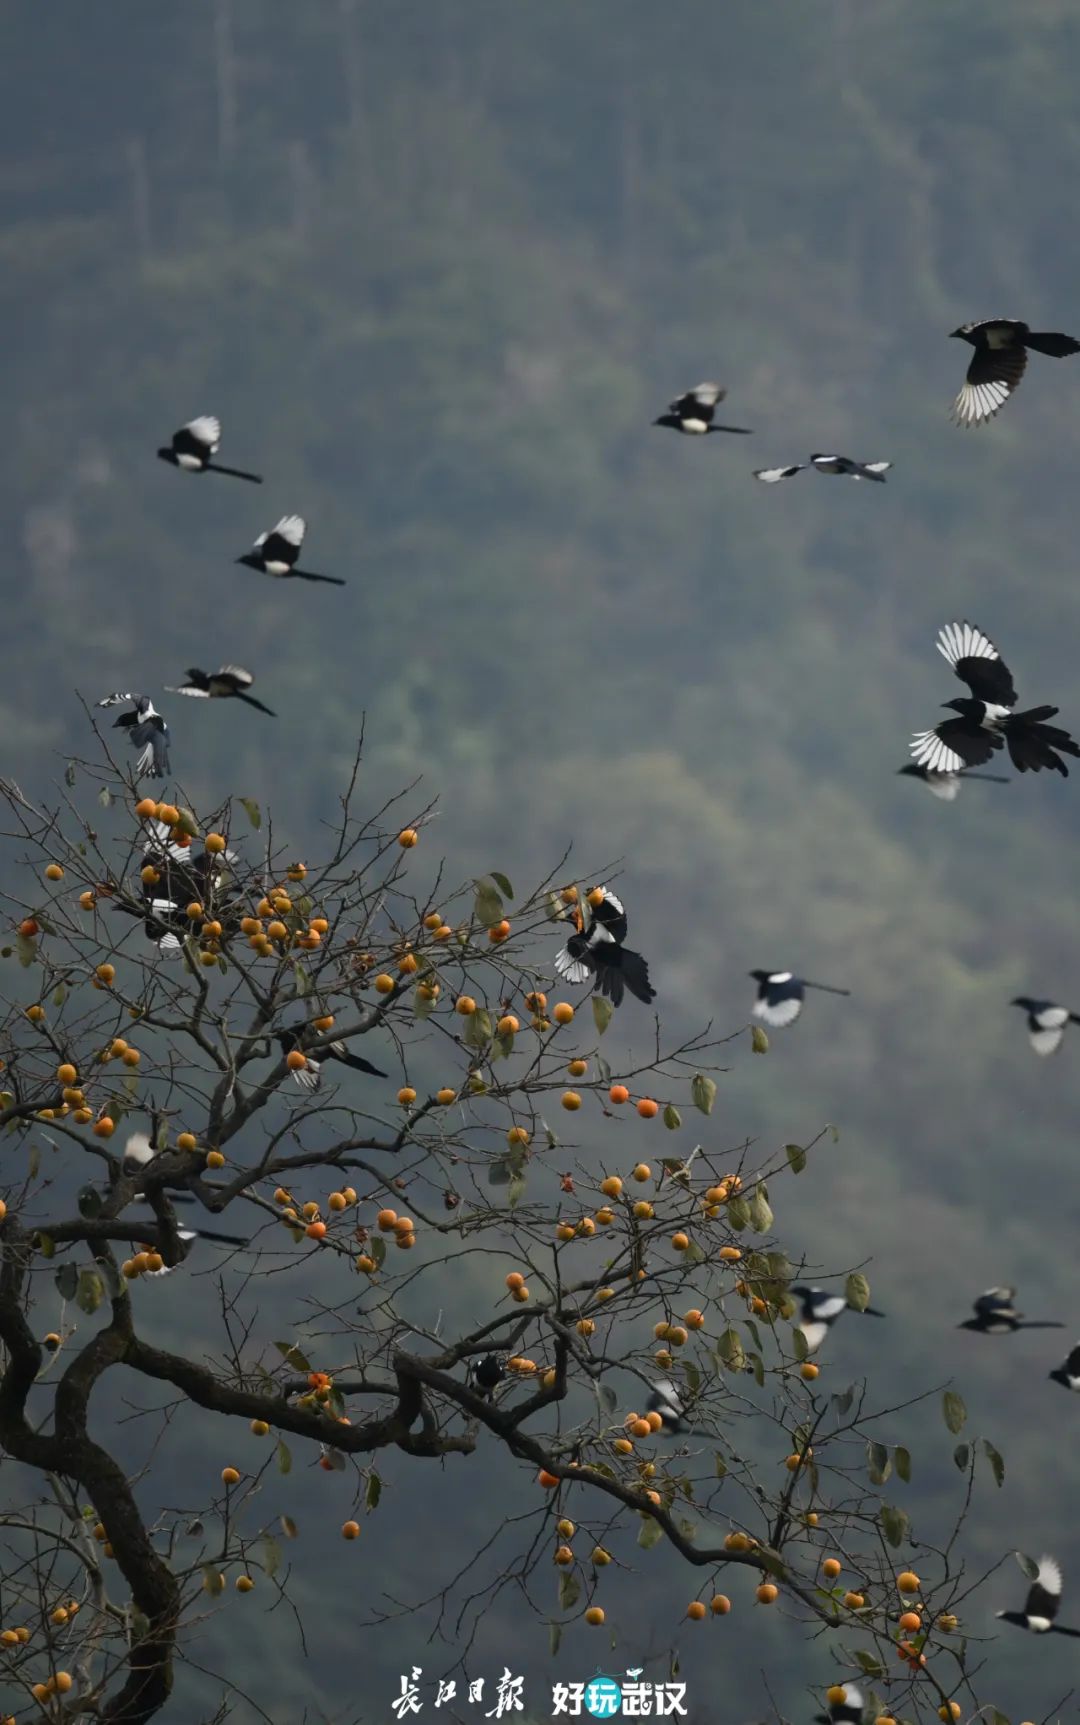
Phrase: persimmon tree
(156, 957)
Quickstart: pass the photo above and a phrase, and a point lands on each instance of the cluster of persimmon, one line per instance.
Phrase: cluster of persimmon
(304, 1221)
(143, 1261)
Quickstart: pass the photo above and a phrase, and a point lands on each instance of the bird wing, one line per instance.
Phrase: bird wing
(138, 1149)
(1046, 1039)
(995, 1300)
(571, 969)
(953, 744)
(196, 694)
(773, 475)
(991, 378)
(205, 430)
(702, 395)
(291, 528)
(977, 663)
(1045, 1592)
(826, 1308)
(611, 916)
(118, 699)
(943, 785)
(239, 675)
(779, 1001)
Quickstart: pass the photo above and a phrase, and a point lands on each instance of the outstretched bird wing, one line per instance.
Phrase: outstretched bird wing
(953, 744)
(118, 699)
(992, 376)
(773, 475)
(702, 395)
(204, 432)
(977, 663)
(1044, 1595)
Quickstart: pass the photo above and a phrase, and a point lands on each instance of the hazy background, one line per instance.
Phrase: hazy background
(436, 269)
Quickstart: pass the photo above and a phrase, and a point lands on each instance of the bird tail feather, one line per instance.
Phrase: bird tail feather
(307, 575)
(1057, 346)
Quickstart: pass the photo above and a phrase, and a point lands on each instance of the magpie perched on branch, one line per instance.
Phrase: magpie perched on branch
(1001, 348)
(849, 1711)
(310, 1076)
(230, 681)
(1068, 1374)
(664, 1399)
(987, 719)
(946, 786)
(193, 446)
(147, 732)
(693, 412)
(848, 469)
(598, 951)
(779, 998)
(277, 552)
(818, 1312)
(1041, 1605)
(995, 1315)
(487, 1373)
(1046, 1022)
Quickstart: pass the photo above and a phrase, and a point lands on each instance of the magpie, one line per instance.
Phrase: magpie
(217, 685)
(187, 1238)
(147, 732)
(598, 951)
(946, 786)
(849, 1711)
(693, 412)
(995, 1315)
(138, 1151)
(488, 1373)
(1040, 1607)
(843, 465)
(1068, 1374)
(277, 552)
(987, 720)
(1046, 1022)
(309, 1077)
(773, 475)
(818, 1312)
(664, 1399)
(1001, 348)
(779, 998)
(192, 447)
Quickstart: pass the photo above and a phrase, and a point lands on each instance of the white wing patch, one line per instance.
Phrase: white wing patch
(964, 641)
(206, 429)
(138, 1149)
(308, 1076)
(1050, 1574)
(773, 475)
(943, 785)
(170, 946)
(877, 466)
(978, 402)
(930, 752)
(292, 529)
(615, 903)
(813, 1335)
(780, 1014)
(237, 671)
(708, 394)
(571, 969)
(197, 694)
(1046, 1041)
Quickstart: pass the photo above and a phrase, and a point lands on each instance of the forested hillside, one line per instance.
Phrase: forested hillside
(437, 268)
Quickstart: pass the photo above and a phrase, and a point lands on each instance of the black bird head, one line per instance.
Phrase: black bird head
(963, 333)
(760, 975)
(252, 560)
(669, 419)
(964, 704)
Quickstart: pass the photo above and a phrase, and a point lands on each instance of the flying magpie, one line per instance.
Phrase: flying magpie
(995, 1315)
(1046, 1022)
(309, 1077)
(598, 951)
(1068, 1374)
(488, 1373)
(779, 998)
(1001, 348)
(693, 412)
(187, 1238)
(987, 720)
(664, 1399)
(147, 732)
(848, 469)
(818, 1312)
(946, 786)
(849, 1711)
(193, 446)
(217, 685)
(773, 475)
(1040, 1607)
(277, 552)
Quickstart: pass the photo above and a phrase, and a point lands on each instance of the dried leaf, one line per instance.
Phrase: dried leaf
(292, 1356)
(554, 1638)
(284, 1457)
(902, 1458)
(569, 1590)
(878, 1463)
(1028, 1565)
(289, 1527)
(252, 810)
(997, 1464)
(67, 1281)
(271, 1555)
(953, 1411)
(857, 1291)
(650, 1533)
(516, 1190)
(703, 1093)
(761, 1216)
(961, 1456)
(90, 1291)
(487, 904)
(759, 1042)
(374, 1491)
(601, 1011)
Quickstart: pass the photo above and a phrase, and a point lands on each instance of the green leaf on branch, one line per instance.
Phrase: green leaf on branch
(672, 1117)
(996, 1460)
(961, 1456)
(554, 1638)
(90, 1291)
(478, 1029)
(730, 1350)
(374, 1491)
(759, 1042)
(703, 1093)
(902, 1458)
(271, 1555)
(953, 1411)
(1028, 1565)
(857, 1291)
(796, 1156)
(761, 1216)
(293, 1357)
(649, 1534)
(870, 1666)
(487, 905)
(516, 1191)
(601, 1011)
(502, 883)
(569, 1590)
(738, 1213)
(252, 810)
(284, 1457)
(67, 1281)
(894, 1523)
(878, 1463)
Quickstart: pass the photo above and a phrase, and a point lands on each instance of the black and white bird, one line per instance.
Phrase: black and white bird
(1068, 1374)
(277, 552)
(995, 1315)
(849, 1711)
(597, 950)
(779, 998)
(146, 731)
(773, 475)
(488, 1373)
(309, 1077)
(138, 1151)
(1041, 1605)
(665, 1400)
(818, 1312)
(946, 786)
(1046, 1022)
(193, 447)
(187, 1238)
(230, 682)
(848, 469)
(183, 877)
(987, 720)
(1001, 348)
(693, 413)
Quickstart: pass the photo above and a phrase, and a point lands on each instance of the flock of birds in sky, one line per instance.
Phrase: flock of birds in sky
(985, 723)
